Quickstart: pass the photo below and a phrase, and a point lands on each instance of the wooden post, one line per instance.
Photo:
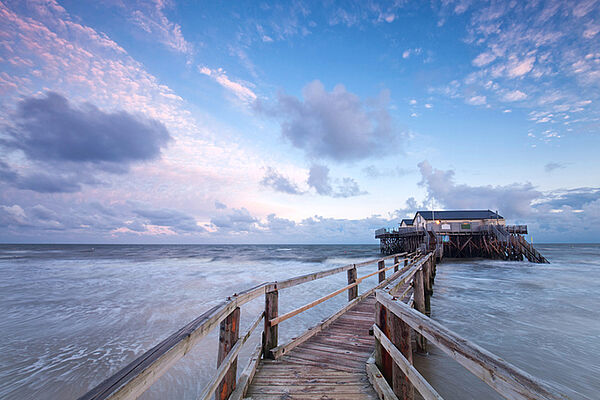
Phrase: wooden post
(352, 292)
(381, 265)
(427, 286)
(419, 299)
(405, 262)
(271, 332)
(396, 262)
(229, 333)
(400, 336)
(383, 360)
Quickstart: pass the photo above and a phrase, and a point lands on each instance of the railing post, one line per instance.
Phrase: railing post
(229, 333)
(427, 290)
(419, 301)
(271, 332)
(381, 265)
(400, 336)
(396, 262)
(383, 360)
(405, 262)
(352, 275)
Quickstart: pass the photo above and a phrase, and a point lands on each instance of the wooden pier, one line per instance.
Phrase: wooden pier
(460, 234)
(363, 351)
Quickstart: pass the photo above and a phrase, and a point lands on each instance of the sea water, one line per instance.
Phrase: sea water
(72, 315)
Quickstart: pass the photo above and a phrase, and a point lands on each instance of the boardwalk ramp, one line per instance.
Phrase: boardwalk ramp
(330, 365)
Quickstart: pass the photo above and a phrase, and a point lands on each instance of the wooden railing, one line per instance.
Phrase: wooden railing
(139, 375)
(395, 320)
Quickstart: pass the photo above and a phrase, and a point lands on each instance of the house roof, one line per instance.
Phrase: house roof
(407, 221)
(460, 214)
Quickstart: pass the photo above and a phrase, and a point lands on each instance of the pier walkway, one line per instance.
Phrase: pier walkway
(363, 351)
(330, 365)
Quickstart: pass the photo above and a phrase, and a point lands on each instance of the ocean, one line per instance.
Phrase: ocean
(72, 315)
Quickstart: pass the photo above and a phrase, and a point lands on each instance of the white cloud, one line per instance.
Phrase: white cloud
(515, 95)
(428, 105)
(240, 90)
(477, 100)
(520, 68)
(483, 59)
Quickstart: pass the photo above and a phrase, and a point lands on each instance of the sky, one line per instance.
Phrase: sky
(165, 121)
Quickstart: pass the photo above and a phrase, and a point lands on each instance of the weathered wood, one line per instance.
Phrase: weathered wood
(396, 263)
(353, 291)
(271, 331)
(419, 298)
(229, 334)
(280, 319)
(247, 375)
(381, 268)
(226, 364)
(131, 381)
(382, 358)
(400, 337)
(508, 380)
(408, 371)
(379, 383)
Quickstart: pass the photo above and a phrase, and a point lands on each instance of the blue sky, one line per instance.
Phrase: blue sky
(294, 122)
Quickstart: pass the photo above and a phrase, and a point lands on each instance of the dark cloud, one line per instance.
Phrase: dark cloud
(67, 146)
(514, 200)
(318, 178)
(336, 125)
(551, 166)
(279, 183)
(574, 198)
(50, 129)
(238, 220)
(173, 219)
(45, 183)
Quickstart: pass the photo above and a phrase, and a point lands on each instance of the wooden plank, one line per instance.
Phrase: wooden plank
(278, 320)
(400, 337)
(508, 380)
(247, 375)
(353, 291)
(229, 333)
(381, 267)
(131, 381)
(419, 299)
(271, 332)
(379, 383)
(417, 380)
(229, 360)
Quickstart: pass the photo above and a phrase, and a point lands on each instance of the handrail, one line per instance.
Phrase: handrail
(418, 381)
(278, 320)
(508, 380)
(132, 380)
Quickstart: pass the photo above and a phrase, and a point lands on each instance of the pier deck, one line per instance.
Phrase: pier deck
(330, 365)
(337, 358)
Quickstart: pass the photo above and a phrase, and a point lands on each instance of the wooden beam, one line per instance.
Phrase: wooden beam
(419, 295)
(508, 380)
(353, 291)
(229, 360)
(229, 333)
(271, 331)
(381, 268)
(247, 375)
(383, 389)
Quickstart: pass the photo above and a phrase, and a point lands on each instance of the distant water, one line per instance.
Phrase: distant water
(72, 315)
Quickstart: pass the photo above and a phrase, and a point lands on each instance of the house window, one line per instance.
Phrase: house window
(465, 225)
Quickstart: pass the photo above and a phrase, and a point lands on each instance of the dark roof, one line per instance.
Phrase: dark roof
(408, 221)
(460, 214)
